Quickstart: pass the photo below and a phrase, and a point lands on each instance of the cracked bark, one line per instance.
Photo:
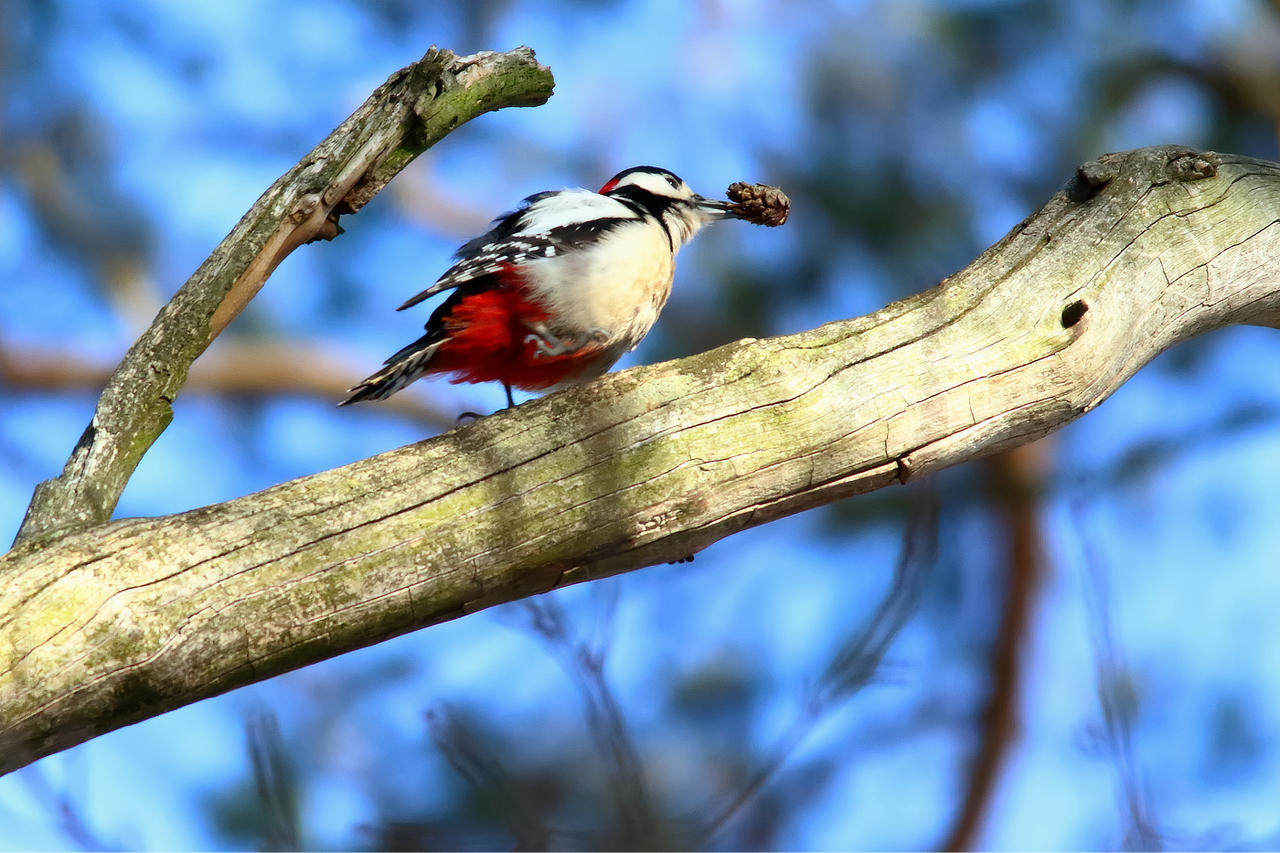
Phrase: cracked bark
(124, 620)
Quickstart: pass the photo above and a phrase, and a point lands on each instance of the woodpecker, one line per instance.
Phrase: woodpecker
(558, 289)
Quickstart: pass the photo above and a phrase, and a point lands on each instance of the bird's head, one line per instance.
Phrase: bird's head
(664, 196)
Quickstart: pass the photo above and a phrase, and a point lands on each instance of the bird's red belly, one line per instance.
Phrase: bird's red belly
(485, 342)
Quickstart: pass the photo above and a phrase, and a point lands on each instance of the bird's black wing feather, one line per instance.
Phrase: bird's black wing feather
(502, 247)
(471, 255)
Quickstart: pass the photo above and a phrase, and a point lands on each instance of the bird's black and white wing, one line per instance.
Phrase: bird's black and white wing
(545, 225)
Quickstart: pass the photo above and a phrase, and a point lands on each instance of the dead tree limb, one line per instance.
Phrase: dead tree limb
(115, 623)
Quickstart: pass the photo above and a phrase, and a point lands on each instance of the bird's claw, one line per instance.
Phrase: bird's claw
(547, 344)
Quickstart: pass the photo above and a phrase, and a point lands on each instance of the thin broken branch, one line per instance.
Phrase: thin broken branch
(414, 109)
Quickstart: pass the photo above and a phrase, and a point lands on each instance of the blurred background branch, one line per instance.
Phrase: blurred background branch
(1016, 482)
(237, 369)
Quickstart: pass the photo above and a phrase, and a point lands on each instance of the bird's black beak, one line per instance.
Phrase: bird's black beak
(714, 208)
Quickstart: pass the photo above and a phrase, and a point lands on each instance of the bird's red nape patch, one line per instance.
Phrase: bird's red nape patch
(485, 341)
(613, 182)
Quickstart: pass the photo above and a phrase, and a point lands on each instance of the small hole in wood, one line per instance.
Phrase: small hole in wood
(1073, 312)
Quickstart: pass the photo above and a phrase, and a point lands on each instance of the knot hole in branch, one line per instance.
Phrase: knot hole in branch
(1073, 313)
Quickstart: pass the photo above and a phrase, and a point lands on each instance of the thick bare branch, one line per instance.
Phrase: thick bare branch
(1140, 251)
(414, 109)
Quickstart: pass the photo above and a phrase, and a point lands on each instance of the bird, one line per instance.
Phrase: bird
(557, 290)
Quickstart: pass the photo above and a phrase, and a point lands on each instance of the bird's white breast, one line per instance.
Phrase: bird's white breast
(619, 285)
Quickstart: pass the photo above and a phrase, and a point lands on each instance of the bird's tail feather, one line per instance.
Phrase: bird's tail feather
(401, 369)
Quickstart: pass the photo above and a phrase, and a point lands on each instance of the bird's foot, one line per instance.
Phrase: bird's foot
(548, 344)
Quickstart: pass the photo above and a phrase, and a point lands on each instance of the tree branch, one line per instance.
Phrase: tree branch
(414, 109)
(113, 624)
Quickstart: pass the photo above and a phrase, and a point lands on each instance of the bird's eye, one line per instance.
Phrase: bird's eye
(674, 181)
